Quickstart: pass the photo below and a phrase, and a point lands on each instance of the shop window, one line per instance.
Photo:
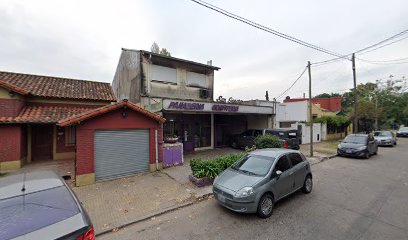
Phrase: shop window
(70, 136)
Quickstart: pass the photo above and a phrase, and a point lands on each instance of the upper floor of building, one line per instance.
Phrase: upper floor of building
(142, 74)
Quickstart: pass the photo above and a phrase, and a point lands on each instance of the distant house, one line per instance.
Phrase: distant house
(328, 104)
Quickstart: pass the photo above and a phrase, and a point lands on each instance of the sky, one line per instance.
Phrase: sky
(83, 40)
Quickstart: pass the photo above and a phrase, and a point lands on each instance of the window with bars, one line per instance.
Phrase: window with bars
(70, 135)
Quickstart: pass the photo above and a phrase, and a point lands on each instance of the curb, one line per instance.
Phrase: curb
(170, 209)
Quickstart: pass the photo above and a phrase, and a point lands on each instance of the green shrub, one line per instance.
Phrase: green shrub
(212, 167)
(267, 141)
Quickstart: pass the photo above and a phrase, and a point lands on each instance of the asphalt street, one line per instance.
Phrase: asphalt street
(351, 199)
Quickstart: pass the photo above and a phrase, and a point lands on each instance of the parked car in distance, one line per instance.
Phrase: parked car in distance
(385, 138)
(261, 178)
(40, 205)
(402, 132)
(289, 137)
(358, 145)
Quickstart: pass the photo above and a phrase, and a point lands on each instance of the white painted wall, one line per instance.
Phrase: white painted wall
(317, 132)
(291, 112)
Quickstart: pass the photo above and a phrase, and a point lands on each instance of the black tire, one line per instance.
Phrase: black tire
(307, 186)
(367, 155)
(265, 211)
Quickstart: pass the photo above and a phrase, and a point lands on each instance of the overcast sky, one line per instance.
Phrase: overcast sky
(83, 39)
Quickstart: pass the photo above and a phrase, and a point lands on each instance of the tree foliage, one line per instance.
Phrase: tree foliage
(381, 101)
(156, 49)
(334, 123)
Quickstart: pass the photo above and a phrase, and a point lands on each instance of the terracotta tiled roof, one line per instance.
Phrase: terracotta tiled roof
(44, 114)
(45, 86)
(105, 109)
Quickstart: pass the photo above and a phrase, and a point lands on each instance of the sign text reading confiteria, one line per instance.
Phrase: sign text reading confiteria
(200, 107)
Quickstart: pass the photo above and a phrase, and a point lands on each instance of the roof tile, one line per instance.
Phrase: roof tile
(46, 86)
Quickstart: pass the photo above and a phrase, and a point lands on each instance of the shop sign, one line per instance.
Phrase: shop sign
(226, 108)
(186, 106)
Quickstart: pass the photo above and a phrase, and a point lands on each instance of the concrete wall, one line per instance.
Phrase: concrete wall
(258, 121)
(127, 82)
(111, 121)
(133, 79)
(180, 90)
(317, 132)
(293, 111)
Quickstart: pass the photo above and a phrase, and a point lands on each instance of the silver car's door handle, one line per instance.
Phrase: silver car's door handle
(290, 173)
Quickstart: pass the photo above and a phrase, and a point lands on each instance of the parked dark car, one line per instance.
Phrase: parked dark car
(385, 138)
(289, 137)
(261, 178)
(402, 132)
(40, 205)
(358, 145)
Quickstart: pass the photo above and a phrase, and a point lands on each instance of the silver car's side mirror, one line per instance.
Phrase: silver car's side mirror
(278, 172)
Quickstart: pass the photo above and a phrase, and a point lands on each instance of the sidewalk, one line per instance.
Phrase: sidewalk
(120, 202)
(111, 204)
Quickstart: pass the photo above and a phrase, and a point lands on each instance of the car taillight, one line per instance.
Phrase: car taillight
(285, 144)
(89, 235)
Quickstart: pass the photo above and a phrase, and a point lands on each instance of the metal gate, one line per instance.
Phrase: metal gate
(120, 153)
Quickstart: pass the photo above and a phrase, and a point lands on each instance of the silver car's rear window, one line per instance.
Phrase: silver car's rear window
(27, 213)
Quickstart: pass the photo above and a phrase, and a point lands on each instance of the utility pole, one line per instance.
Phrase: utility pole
(355, 123)
(310, 109)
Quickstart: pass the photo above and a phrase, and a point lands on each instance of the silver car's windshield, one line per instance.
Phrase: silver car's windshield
(382, 134)
(254, 165)
(403, 129)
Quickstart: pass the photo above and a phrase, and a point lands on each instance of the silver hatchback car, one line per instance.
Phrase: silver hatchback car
(261, 178)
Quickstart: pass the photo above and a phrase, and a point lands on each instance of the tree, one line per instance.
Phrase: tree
(164, 52)
(328, 95)
(156, 49)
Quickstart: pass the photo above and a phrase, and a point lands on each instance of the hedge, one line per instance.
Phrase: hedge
(212, 167)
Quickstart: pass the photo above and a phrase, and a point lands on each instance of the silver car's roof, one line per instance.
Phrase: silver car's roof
(11, 186)
(273, 152)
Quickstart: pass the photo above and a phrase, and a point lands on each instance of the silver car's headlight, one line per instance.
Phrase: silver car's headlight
(362, 148)
(245, 192)
(339, 146)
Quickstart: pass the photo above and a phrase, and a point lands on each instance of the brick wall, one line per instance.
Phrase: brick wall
(112, 121)
(10, 107)
(10, 143)
(61, 146)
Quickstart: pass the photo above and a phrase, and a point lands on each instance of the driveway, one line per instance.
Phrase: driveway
(352, 199)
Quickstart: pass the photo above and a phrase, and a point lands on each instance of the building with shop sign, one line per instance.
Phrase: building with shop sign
(182, 91)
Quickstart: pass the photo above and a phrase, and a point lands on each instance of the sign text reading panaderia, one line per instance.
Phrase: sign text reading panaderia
(186, 106)
(203, 107)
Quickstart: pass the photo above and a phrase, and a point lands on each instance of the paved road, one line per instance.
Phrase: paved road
(352, 199)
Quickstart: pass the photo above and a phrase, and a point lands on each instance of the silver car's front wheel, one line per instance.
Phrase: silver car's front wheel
(265, 206)
(308, 185)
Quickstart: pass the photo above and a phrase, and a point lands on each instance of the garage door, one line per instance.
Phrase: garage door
(120, 153)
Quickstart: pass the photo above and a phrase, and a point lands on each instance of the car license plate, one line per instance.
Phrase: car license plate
(221, 198)
(348, 151)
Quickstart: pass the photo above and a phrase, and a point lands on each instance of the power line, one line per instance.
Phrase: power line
(383, 41)
(284, 92)
(368, 48)
(264, 28)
